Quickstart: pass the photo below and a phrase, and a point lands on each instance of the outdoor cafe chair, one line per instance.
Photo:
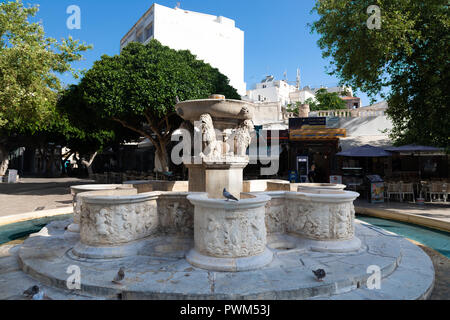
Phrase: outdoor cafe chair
(407, 189)
(394, 189)
(437, 189)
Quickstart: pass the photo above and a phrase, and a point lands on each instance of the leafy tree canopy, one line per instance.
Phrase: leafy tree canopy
(324, 101)
(328, 101)
(29, 63)
(409, 54)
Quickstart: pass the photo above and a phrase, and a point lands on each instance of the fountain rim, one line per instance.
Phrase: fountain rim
(95, 187)
(215, 100)
(323, 186)
(120, 199)
(201, 199)
(328, 195)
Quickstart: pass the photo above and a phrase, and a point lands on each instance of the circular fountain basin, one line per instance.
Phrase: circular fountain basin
(325, 218)
(75, 190)
(112, 225)
(228, 235)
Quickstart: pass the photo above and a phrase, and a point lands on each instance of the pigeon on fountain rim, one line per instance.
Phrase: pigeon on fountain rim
(228, 195)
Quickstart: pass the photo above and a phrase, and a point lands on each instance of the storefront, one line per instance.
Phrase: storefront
(314, 140)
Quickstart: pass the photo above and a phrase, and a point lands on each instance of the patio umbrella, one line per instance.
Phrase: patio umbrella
(416, 149)
(365, 151)
(412, 148)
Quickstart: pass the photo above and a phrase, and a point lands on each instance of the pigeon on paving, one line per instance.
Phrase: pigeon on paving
(31, 291)
(39, 296)
(120, 276)
(228, 195)
(320, 274)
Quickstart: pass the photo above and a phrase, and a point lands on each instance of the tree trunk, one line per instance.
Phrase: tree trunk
(4, 160)
(163, 158)
(160, 143)
(89, 164)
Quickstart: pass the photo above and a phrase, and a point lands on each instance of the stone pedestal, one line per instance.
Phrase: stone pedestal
(213, 177)
(229, 236)
(197, 181)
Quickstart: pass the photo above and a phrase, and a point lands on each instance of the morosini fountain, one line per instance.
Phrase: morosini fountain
(192, 243)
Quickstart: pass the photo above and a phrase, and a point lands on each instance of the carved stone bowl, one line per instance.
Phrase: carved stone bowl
(225, 113)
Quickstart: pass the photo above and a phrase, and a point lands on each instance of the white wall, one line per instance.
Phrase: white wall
(301, 96)
(273, 91)
(213, 39)
(267, 113)
(365, 126)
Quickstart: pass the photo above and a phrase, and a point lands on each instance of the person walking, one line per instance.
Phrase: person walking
(312, 174)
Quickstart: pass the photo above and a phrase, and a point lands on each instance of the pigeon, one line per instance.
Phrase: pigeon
(31, 291)
(35, 293)
(120, 276)
(39, 296)
(228, 195)
(320, 274)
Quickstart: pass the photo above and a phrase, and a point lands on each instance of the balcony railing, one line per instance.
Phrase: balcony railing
(355, 113)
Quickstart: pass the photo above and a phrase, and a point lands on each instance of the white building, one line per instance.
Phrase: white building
(214, 39)
(302, 95)
(271, 90)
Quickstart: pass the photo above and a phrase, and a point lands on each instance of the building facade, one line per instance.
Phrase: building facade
(271, 90)
(214, 39)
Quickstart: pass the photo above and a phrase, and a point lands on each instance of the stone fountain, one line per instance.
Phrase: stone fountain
(228, 236)
(222, 128)
(194, 244)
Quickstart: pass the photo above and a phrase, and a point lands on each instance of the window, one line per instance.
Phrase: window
(149, 31)
(139, 36)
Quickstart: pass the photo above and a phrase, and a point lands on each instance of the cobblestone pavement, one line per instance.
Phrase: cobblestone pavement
(36, 194)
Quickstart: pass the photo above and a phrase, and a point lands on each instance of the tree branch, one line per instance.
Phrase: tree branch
(141, 132)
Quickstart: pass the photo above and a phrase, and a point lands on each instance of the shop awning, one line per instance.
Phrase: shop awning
(365, 151)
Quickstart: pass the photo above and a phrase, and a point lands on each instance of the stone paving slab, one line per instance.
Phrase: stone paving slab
(46, 256)
(34, 195)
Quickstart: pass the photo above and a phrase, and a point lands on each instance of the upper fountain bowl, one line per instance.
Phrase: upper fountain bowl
(226, 113)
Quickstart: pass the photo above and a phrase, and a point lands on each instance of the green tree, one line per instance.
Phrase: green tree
(29, 62)
(139, 89)
(82, 130)
(328, 101)
(408, 56)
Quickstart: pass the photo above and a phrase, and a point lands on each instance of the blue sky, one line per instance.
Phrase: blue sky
(277, 38)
